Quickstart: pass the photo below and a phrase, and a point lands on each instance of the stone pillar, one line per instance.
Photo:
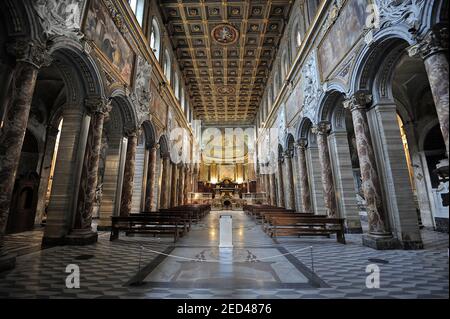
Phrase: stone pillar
(181, 176)
(195, 178)
(344, 181)
(281, 201)
(289, 181)
(379, 236)
(173, 186)
(50, 142)
(29, 58)
(304, 180)
(267, 187)
(82, 233)
(433, 49)
(322, 130)
(187, 183)
(393, 173)
(111, 187)
(273, 197)
(165, 194)
(128, 176)
(151, 178)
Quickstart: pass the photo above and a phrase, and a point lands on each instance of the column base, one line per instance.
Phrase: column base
(381, 243)
(411, 245)
(7, 262)
(81, 237)
(353, 230)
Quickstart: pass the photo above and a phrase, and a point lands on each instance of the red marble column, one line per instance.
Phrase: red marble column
(181, 176)
(173, 186)
(289, 181)
(187, 179)
(128, 176)
(151, 176)
(30, 57)
(322, 130)
(371, 185)
(281, 202)
(304, 179)
(82, 233)
(433, 49)
(165, 193)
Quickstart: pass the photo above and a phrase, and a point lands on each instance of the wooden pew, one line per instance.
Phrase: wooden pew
(147, 225)
(257, 212)
(307, 226)
(266, 217)
(185, 217)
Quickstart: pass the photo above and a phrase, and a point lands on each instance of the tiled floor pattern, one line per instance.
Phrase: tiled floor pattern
(407, 274)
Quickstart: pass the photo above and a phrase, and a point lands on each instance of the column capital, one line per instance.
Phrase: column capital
(29, 51)
(154, 147)
(302, 143)
(359, 100)
(287, 154)
(96, 104)
(435, 41)
(322, 128)
(131, 131)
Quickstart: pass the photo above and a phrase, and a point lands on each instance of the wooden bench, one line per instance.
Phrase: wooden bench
(185, 217)
(147, 225)
(266, 217)
(307, 226)
(257, 213)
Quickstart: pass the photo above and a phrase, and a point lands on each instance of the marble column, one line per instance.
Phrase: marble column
(289, 181)
(304, 180)
(281, 201)
(322, 130)
(187, 184)
(82, 233)
(173, 186)
(267, 187)
(165, 194)
(29, 58)
(151, 178)
(128, 176)
(380, 236)
(272, 189)
(181, 176)
(433, 49)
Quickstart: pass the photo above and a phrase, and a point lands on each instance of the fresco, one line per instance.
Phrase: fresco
(100, 28)
(348, 26)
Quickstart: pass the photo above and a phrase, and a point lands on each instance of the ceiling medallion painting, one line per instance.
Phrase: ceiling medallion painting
(225, 50)
(226, 90)
(225, 34)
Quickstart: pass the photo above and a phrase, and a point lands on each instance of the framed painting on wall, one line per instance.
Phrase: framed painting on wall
(100, 28)
(348, 26)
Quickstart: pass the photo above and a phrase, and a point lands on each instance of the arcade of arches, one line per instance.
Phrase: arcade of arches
(129, 128)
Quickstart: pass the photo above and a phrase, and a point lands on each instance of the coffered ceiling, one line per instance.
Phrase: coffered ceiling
(225, 50)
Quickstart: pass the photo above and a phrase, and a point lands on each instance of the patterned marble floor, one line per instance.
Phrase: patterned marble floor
(108, 268)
